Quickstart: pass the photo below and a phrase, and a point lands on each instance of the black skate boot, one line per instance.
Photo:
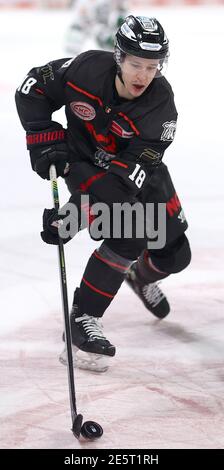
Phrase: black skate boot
(150, 293)
(87, 333)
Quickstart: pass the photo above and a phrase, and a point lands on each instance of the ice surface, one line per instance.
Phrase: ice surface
(164, 388)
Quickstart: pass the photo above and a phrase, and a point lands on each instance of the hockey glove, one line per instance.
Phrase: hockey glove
(46, 147)
(51, 223)
(75, 215)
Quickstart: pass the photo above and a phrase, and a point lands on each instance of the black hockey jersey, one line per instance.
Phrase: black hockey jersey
(101, 127)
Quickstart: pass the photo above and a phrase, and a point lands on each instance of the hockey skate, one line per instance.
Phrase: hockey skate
(86, 361)
(90, 346)
(150, 294)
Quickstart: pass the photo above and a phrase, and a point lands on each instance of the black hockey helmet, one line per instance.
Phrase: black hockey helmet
(142, 37)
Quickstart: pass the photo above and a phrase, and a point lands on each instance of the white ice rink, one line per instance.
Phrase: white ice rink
(165, 386)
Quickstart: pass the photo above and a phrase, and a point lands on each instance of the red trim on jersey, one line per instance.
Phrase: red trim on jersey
(119, 164)
(39, 91)
(93, 97)
(86, 184)
(124, 268)
(105, 294)
(87, 209)
(173, 205)
(130, 122)
(109, 142)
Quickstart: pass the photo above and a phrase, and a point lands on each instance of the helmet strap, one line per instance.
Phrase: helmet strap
(118, 57)
(119, 74)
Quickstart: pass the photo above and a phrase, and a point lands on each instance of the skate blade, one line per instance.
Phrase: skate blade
(86, 361)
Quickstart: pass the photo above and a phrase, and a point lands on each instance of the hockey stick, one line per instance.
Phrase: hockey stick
(89, 429)
(76, 418)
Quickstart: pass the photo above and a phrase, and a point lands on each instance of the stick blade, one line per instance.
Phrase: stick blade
(76, 426)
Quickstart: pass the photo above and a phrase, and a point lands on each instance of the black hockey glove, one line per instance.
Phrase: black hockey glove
(77, 212)
(46, 147)
(51, 224)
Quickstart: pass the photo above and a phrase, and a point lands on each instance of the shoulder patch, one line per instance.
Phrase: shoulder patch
(47, 73)
(151, 156)
(169, 129)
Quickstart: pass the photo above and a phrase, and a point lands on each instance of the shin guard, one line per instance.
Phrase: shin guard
(103, 276)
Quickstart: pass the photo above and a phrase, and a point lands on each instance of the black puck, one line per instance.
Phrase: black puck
(91, 430)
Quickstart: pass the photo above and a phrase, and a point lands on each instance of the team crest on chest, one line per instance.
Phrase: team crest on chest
(169, 129)
(83, 110)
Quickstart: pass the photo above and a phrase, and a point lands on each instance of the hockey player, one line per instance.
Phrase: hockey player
(95, 21)
(121, 118)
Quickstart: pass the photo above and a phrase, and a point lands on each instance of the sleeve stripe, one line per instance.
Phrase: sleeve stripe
(39, 91)
(123, 165)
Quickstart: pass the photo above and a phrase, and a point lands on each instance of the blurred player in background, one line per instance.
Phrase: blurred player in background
(95, 21)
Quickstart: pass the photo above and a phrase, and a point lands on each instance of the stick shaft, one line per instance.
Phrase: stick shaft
(64, 296)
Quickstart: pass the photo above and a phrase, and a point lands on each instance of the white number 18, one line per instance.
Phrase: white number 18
(26, 86)
(138, 176)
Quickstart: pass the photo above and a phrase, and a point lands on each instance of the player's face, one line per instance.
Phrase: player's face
(137, 74)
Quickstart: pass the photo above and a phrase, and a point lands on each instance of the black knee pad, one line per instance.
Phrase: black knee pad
(174, 257)
(129, 248)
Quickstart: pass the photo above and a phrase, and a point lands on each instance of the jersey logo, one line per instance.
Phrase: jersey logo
(47, 73)
(181, 216)
(149, 154)
(102, 158)
(169, 129)
(117, 129)
(83, 110)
